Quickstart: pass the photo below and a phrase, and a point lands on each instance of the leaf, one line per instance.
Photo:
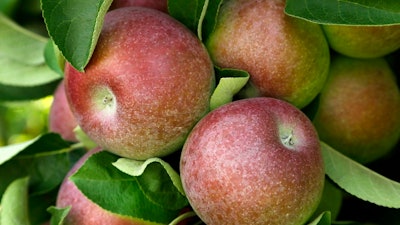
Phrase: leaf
(359, 180)
(172, 196)
(123, 194)
(14, 203)
(231, 81)
(188, 12)
(75, 26)
(45, 159)
(23, 72)
(210, 18)
(323, 219)
(54, 58)
(346, 12)
(58, 214)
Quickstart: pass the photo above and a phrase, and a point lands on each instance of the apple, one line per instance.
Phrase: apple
(147, 84)
(83, 211)
(253, 161)
(286, 57)
(359, 108)
(155, 4)
(61, 118)
(363, 41)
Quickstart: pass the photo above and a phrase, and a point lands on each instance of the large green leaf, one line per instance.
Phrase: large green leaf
(188, 12)
(74, 26)
(23, 71)
(14, 203)
(347, 12)
(123, 194)
(359, 180)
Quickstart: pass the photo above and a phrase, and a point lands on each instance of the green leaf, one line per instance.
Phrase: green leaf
(75, 26)
(123, 194)
(45, 159)
(14, 203)
(359, 180)
(23, 71)
(231, 81)
(346, 12)
(210, 19)
(54, 58)
(155, 180)
(188, 12)
(323, 219)
(58, 214)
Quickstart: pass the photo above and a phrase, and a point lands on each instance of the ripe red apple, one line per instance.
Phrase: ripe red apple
(359, 108)
(363, 41)
(287, 58)
(83, 211)
(253, 161)
(61, 119)
(147, 84)
(154, 4)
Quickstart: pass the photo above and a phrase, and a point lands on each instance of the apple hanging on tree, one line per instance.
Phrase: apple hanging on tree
(253, 161)
(148, 82)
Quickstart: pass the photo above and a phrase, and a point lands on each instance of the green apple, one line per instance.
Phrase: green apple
(286, 57)
(363, 41)
(147, 84)
(253, 161)
(359, 108)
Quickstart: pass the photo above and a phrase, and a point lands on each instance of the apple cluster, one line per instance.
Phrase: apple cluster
(256, 160)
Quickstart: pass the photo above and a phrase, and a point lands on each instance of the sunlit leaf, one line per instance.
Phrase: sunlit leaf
(14, 203)
(359, 180)
(58, 214)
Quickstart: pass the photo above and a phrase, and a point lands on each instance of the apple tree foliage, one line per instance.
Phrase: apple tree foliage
(31, 65)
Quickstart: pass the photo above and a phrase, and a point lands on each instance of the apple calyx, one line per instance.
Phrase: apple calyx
(287, 138)
(106, 100)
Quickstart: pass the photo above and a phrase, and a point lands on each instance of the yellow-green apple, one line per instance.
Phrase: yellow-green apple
(287, 58)
(363, 41)
(83, 211)
(154, 4)
(147, 84)
(61, 119)
(253, 161)
(359, 108)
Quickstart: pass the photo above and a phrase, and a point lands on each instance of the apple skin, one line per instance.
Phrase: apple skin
(253, 161)
(363, 41)
(83, 211)
(287, 58)
(154, 4)
(359, 108)
(61, 118)
(147, 84)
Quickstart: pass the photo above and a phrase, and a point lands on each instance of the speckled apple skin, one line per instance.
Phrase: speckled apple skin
(154, 4)
(287, 58)
(160, 77)
(83, 211)
(235, 169)
(61, 118)
(359, 108)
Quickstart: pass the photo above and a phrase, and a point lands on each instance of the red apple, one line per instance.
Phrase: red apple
(154, 4)
(147, 84)
(286, 57)
(253, 161)
(83, 211)
(61, 119)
